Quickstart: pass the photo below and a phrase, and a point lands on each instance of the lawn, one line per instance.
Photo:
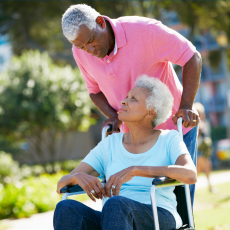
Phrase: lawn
(212, 211)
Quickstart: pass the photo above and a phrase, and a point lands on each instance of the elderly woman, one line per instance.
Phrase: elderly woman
(129, 162)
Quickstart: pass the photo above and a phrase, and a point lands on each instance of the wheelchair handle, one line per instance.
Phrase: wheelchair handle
(107, 128)
(179, 127)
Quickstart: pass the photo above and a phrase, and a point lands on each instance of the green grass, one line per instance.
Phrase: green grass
(214, 172)
(212, 211)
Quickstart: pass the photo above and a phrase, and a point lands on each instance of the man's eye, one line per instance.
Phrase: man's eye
(91, 40)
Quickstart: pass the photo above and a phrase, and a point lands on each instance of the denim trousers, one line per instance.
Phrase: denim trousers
(118, 213)
(190, 140)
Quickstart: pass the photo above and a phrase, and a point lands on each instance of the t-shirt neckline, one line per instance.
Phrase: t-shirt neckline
(138, 154)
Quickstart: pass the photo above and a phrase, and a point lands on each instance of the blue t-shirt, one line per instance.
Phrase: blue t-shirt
(110, 157)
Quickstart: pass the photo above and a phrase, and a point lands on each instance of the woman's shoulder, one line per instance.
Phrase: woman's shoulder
(113, 138)
(169, 136)
(169, 133)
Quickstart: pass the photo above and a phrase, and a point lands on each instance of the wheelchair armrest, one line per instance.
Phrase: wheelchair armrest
(165, 182)
(76, 188)
(71, 189)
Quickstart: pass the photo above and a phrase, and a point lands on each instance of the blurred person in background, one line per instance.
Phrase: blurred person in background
(204, 163)
(112, 53)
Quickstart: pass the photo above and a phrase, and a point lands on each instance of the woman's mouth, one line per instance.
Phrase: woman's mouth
(121, 110)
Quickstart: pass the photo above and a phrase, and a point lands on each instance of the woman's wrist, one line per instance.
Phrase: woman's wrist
(134, 170)
(74, 179)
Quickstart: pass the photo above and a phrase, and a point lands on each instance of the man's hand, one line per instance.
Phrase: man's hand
(115, 122)
(190, 118)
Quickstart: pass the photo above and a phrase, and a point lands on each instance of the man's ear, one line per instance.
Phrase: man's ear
(101, 22)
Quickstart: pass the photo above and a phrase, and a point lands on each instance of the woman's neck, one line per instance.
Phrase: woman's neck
(139, 134)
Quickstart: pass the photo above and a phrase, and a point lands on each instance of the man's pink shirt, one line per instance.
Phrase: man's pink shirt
(144, 46)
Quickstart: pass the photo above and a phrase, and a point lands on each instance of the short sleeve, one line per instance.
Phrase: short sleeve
(169, 45)
(176, 146)
(91, 84)
(95, 158)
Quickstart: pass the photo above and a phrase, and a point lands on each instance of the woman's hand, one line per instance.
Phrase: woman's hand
(90, 183)
(87, 182)
(65, 181)
(115, 181)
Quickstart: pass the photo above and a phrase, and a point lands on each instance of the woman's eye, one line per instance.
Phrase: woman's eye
(133, 98)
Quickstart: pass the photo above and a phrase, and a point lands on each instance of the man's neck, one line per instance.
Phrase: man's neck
(111, 37)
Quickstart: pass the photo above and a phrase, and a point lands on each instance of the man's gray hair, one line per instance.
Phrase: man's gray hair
(160, 99)
(75, 16)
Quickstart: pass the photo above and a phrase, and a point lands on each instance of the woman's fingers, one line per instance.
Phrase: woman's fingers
(90, 195)
(101, 188)
(118, 187)
(91, 185)
(114, 186)
(97, 190)
(108, 186)
(114, 183)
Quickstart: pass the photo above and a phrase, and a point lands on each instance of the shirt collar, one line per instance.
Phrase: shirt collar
(120, 38)
(115, 48)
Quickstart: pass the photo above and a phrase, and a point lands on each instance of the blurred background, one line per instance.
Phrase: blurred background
(48, 123)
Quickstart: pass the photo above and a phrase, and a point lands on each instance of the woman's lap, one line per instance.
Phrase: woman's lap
(118, 213)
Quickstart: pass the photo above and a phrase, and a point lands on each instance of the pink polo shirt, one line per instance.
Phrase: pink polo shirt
(144, 46)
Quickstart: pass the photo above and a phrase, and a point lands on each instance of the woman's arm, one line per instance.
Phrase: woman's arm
(86, 177)
(184, 171)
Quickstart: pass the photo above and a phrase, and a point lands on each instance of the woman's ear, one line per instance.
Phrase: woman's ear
(101, 22)
(151, 114)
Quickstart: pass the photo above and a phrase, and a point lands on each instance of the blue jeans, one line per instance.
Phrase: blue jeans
(190, 139)
(118, 213)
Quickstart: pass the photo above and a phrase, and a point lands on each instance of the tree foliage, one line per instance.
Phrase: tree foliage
(37, 24)
(36, 96)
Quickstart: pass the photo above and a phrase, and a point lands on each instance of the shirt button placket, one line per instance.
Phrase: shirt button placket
(109, 69)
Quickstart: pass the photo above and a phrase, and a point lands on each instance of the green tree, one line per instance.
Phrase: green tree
(40, 101)
(37, 24)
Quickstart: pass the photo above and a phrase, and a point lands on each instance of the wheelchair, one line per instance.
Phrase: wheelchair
(182, 192)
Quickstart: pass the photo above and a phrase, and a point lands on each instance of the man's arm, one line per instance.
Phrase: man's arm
(190, 79)
(102, 104)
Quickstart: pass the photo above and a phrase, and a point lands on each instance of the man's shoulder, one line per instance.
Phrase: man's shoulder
(136, 20)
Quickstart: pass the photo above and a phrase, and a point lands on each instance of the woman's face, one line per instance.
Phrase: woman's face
(133, 108)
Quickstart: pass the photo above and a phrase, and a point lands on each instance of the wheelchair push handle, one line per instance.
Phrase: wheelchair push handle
(105, 130)
(179, 127)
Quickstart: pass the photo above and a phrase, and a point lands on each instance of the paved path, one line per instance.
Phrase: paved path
(44, 221)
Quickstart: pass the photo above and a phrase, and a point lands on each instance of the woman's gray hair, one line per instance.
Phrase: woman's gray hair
(75, 16)
(160, 99)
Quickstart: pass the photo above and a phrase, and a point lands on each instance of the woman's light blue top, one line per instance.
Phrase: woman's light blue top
(110, 157)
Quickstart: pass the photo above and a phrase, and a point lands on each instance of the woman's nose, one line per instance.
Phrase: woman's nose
(123, 102)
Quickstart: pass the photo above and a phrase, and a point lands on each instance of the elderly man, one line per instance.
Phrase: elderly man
(112, 53)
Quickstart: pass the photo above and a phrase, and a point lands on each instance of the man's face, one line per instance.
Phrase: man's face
(94, 42)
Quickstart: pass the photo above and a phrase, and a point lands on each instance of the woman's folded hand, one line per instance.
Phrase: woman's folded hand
(91, 185)
(115, 181)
